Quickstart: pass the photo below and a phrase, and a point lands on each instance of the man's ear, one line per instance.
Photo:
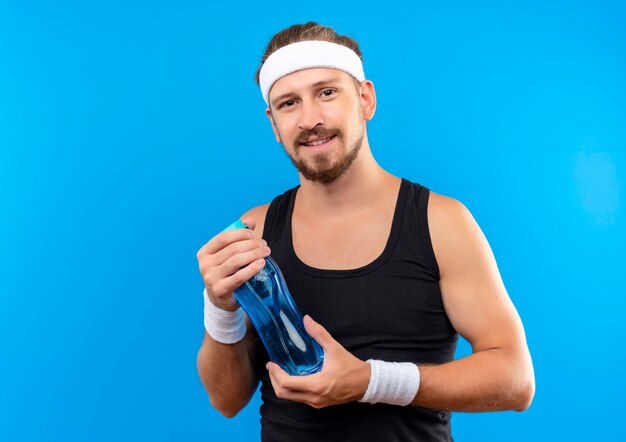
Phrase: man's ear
(368, 99)
(268, 112)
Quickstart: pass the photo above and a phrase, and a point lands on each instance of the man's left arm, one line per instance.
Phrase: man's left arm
(498, 375)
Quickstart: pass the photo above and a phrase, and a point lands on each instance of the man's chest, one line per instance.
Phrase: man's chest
(342, 244)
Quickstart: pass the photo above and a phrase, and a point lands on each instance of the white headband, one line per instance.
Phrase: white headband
(306, 55)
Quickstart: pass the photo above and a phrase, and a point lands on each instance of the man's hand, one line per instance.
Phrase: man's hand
(228, 260)
(343, 378)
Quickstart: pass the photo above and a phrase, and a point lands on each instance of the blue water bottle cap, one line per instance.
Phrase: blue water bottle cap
(236, 225)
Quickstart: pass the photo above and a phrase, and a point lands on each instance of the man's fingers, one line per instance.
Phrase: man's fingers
(223, 239)
(283, 382)
(249, 222)
(319, 333)
(240, 260)
(305, 389)
(230, 283)
(279, 375)
(236, 248)
(298, 396)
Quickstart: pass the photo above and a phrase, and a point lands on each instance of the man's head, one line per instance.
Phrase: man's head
(318, 98)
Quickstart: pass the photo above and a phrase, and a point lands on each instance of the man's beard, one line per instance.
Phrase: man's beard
(323, 170)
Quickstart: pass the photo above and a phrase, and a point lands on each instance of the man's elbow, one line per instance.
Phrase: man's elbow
(525, 394)
(228, 410)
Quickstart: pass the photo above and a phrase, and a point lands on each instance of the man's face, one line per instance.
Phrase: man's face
(317, 114)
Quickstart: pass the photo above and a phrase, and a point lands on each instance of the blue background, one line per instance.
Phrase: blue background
(132, 132)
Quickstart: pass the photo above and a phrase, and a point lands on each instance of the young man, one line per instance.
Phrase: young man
(387, 272)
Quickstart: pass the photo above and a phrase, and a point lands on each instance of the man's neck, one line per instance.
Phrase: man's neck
(364, 184)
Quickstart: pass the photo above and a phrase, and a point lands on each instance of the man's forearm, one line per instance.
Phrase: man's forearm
(227, 374)
(489, 380)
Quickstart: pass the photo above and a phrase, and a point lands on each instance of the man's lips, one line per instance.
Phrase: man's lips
(318, 142)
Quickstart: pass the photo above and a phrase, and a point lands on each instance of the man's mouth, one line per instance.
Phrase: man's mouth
(319, 142)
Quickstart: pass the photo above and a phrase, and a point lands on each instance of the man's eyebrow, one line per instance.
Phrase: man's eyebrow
(315, 85)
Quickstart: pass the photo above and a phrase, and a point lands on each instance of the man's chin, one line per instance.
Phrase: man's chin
(322, 176)
(324, 168)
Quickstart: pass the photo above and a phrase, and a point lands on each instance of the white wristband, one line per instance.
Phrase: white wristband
(394, 383)
(222, 325)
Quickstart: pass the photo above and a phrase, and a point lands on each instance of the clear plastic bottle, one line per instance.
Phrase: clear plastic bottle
(267, 301)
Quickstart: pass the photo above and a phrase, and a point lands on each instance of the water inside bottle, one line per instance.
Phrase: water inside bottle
(267, 302)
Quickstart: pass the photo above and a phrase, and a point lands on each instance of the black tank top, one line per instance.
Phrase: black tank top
(390, 309)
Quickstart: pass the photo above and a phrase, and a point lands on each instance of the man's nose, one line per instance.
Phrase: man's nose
(310, 115)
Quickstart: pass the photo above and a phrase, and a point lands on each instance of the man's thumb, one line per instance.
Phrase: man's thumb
(318, 332)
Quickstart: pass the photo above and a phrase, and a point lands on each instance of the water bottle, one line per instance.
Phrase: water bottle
(267, 301)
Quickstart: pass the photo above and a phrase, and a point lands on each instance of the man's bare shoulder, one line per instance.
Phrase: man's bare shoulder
(258, 215)
(444, 210)
(452, 228)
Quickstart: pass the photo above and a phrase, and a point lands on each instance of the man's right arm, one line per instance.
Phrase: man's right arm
(228, 260)
(227, 372)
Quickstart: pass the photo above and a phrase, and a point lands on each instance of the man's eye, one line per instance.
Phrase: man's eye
(327, 92)
(288, 103)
